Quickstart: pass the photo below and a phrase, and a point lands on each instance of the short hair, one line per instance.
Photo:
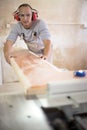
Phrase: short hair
(25, 5)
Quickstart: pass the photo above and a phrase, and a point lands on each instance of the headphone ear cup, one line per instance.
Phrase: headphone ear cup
(34, 16)
(16, 16)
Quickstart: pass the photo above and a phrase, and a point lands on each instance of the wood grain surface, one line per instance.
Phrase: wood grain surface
(34, 73)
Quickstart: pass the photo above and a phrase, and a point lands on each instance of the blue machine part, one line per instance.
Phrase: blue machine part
(80, 73)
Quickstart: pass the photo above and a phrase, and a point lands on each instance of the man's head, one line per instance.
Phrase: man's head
(26, 14)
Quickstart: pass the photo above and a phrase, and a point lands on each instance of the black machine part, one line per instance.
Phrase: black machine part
(67, 117)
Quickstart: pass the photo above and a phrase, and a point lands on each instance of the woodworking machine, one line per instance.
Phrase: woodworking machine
(63, 107)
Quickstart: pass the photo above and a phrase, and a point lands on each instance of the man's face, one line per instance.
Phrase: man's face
(25, 15)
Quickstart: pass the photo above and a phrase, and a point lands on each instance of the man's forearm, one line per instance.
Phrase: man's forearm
(7, 50)
(47, 48)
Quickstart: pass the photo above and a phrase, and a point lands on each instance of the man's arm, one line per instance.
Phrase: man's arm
(47, 49)
(46, 37)
(7, 50)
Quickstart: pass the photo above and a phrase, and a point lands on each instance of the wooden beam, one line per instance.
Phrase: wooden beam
(35, 73)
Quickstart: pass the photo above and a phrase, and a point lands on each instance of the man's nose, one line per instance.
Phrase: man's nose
(25, 17)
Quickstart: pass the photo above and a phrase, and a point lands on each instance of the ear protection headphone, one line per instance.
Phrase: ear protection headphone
(34, 12)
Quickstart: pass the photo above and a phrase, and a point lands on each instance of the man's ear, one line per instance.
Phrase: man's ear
(34, 15)
(16, 15)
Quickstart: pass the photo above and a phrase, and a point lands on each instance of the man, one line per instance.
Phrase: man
(34, 32)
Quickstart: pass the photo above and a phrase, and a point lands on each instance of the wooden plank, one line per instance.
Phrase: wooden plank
(34, 73)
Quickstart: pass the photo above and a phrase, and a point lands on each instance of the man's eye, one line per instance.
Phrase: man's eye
(21, 15)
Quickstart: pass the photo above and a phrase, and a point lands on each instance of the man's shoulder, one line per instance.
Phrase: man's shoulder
(16, 25)
(40, 22)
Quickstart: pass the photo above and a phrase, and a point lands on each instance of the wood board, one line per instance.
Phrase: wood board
(34, 73)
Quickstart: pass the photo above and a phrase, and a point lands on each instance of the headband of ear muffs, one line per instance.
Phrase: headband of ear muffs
(34, 12)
